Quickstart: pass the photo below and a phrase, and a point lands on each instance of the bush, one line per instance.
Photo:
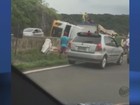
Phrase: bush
(118, 39)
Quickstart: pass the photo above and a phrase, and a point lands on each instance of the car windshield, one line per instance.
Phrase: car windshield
(28, 29)
(88, 39)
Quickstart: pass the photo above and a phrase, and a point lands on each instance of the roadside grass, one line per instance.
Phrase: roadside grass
(34, 59)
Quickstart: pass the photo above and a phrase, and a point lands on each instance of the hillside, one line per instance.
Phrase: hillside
(119, 23)
(32, 13)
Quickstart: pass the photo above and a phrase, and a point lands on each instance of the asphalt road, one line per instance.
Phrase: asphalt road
(85, 83)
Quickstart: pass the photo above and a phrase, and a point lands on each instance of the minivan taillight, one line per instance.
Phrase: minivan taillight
(99, 47)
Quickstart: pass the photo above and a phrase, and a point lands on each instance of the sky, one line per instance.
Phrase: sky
(90, 6)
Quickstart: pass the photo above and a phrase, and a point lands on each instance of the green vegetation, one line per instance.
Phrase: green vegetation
(37, 13)
(118, 23)
(118, 39)
(35, 59)
(31, 13)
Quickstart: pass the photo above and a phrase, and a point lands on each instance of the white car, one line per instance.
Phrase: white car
(95, 48)
(37, 32)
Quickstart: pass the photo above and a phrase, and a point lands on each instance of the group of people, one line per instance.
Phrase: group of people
(125, 44)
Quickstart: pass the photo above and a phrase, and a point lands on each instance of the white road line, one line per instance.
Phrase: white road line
(45, 69)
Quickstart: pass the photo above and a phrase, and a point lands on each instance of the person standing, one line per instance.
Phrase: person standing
(64, 41)
(128, 48)
(127, 42)
(123, 44)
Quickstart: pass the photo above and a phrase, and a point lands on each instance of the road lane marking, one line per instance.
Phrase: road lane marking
(45, 69)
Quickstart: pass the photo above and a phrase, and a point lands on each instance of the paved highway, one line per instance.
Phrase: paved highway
(85, 83)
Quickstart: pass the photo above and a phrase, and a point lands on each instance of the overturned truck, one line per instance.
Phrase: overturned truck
(59, 27)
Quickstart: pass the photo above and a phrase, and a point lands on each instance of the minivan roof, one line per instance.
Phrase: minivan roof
(88, 34)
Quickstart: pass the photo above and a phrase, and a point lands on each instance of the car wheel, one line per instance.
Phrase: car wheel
(71, 62)
(103, 63)
(120, 60)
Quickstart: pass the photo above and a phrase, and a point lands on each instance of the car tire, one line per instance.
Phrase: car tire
(120, 60)
(103, 62)
(71, 62)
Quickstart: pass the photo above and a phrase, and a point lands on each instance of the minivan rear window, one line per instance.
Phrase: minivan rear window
(86, 39)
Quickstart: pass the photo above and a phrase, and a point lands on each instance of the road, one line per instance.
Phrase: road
(85, 83)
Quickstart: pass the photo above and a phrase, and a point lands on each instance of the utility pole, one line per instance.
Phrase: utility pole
(42, 17)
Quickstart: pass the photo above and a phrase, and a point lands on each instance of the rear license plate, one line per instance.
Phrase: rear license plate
(81, 48)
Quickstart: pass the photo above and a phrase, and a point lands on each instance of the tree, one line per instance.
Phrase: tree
(31, 13)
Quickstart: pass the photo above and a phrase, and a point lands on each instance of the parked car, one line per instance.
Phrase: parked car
(37, 32)
(95, 48)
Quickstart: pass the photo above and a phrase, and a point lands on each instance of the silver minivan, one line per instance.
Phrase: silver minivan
(95, 48)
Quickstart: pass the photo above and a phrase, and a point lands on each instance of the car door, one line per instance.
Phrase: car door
(108, 48)
(114, 49)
